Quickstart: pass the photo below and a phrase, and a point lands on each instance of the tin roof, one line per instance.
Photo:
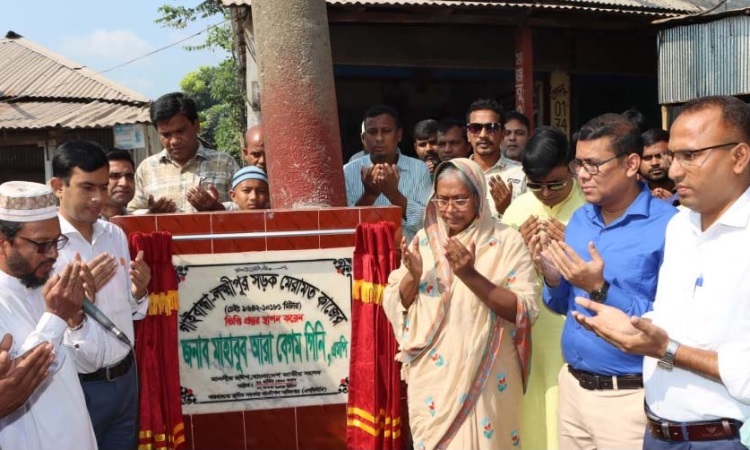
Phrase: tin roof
(40, 89)
(652, 7)
(54, 114)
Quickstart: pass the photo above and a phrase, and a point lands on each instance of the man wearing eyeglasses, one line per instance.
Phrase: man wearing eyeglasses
(36, 308)
(697, 339)
(80, 180)
(541, 215)
(505, 177)
(612, 253)
(655, 163)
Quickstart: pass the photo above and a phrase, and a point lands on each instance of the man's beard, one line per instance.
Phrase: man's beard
(654, 179)
(23, 270)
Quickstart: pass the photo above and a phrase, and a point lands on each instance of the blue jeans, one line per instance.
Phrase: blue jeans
(113, 409)
(651, 443)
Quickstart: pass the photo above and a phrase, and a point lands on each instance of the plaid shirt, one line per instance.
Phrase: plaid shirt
(159, 176)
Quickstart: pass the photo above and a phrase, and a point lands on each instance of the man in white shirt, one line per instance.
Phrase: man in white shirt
(697, 339)
(505, 177)
(36, 309)
(105, 364)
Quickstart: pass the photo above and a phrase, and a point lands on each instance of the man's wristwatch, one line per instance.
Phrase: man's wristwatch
(667, 361)
(599, 295)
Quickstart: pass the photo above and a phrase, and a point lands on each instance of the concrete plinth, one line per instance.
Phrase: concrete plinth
(298, 103)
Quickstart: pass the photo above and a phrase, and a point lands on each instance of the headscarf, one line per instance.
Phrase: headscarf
(479, 231)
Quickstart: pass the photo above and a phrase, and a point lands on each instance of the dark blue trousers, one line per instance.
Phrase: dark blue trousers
(113, 409)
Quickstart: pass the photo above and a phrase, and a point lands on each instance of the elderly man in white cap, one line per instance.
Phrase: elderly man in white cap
(36, 309)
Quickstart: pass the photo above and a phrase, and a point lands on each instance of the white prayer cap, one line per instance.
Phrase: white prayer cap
(23, 201)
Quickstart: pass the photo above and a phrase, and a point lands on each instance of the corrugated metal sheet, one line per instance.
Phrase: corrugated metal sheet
(27, 69)
(95, 114)
(704, 59)
(652, 7)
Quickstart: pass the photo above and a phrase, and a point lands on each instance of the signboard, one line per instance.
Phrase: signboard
(129, 137)
(559, 97)
(264, 330)
(524, 75)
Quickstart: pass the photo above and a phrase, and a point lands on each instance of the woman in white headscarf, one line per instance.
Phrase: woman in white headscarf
(461, 306)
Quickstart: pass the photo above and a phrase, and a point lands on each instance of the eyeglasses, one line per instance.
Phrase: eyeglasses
(659, 156)
(689, 158)
(592, 168)
(458, 203)
(554, 186)
(492, 128)
(44, 247)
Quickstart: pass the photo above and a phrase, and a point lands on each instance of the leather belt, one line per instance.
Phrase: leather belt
(110, 373)
(594, 381)
(713, 430)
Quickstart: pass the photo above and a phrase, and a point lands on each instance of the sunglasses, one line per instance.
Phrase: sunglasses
(492, 128)
(554, 186)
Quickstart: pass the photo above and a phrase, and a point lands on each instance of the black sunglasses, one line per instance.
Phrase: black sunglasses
(492, 128)
(554, 186)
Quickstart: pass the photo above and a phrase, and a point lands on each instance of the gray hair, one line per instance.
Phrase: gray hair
(452, 171)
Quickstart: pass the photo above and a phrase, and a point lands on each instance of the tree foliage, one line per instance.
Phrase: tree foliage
(219, 91)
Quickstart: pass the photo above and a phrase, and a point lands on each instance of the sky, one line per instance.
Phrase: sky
(101, 34)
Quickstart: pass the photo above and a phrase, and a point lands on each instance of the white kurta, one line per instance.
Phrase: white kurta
(55, 417)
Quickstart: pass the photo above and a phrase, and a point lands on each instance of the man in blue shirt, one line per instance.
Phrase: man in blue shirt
(387, 177)
(613, 248)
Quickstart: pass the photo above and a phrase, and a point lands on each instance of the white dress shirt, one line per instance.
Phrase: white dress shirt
(703, 301)
(510, 171)
(114, 299)
(55, 416)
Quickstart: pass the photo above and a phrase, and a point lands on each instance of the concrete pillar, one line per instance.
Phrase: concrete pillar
(298, 103)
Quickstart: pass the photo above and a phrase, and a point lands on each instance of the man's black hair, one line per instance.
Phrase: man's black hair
(86, 155)
(486, 103)
(624, 135)
(379, 110)
(653, 136)
(120, 155)
(169, 105)
(547, 149)
(425, 128)
(515, 115)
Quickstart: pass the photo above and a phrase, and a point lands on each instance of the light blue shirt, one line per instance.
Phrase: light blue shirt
(632, 248)
(414, 183)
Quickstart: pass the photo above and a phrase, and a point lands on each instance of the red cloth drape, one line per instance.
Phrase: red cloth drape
(161, 425)
(374, 408)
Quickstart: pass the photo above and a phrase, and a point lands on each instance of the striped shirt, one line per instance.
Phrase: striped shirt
(413, 183)
(159, 176)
